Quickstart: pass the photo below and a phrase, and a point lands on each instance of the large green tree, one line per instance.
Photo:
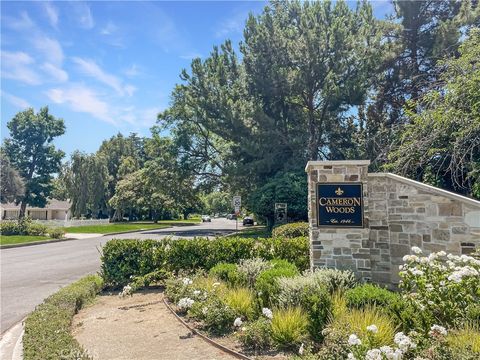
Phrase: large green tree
(12, 185)
(160, 188)
(32, 153)
(418, 35)
(442, 143)
(237, 122)
(86, 183)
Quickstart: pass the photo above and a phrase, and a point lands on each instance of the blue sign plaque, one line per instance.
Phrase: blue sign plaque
(340, 205)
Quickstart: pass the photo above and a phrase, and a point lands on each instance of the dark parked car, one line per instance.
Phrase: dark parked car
(247, 220)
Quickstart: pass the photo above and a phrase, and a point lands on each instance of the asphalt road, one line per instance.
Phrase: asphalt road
(30, 274)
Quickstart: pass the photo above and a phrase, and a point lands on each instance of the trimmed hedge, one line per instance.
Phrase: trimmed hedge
(47, 329)
(291, 230)
(266, 284)
(26, 226)
(370, 295)
(124, 258)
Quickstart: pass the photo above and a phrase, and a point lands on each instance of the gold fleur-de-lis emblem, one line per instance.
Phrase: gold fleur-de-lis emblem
(339, 191)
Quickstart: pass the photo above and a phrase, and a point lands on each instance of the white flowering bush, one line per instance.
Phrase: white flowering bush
(126, 291)
(363, 349)
(185, 303)
(440, 287)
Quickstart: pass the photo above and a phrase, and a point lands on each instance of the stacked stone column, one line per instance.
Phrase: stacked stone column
(335, 247)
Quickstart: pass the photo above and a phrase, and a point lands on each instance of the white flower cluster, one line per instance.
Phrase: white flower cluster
(461, 272)
(436, 330)
(187, 281)
(185, 303)
(403, 342)
(127, 290)
(238, 322)
(372, 328)
(353, 340)
(267, 313)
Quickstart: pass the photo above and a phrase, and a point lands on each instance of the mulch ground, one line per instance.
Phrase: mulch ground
(138, 327)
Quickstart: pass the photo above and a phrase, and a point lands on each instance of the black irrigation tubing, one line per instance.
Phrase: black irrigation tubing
(206, 338)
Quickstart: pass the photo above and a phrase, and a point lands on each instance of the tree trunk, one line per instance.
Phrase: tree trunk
(23, 207)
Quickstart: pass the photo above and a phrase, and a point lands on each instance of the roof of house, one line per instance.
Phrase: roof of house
(53, 204)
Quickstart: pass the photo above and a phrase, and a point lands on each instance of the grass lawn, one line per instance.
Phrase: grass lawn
(257, 231)
(112, 228)
(19, 239)
(127, 226)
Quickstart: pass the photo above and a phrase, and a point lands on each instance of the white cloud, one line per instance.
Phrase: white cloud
(109, 29)
(51, 48)
(15, 100)
(90, 68)
(143, 118)
(17, 66)
(233, 25)
(132, 71)
(22, 23)
(52, 13)
(81, 99)
(56, 73)
(83, 15)
(190, 56)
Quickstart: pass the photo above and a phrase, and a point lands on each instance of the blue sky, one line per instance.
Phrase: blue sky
(108, 67)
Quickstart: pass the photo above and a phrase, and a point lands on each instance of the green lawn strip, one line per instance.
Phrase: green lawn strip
(47, 329)
(113, 228)
(20, 239)
(128, 226)
(258, 231)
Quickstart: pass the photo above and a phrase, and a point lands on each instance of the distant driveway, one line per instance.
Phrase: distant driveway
(30, 274)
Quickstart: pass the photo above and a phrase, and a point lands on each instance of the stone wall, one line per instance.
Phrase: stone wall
(398, 213)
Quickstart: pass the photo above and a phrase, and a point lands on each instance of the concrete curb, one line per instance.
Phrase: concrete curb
(11, 345)
(10, 246)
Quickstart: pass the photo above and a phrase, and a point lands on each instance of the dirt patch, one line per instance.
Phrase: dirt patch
(138, 327)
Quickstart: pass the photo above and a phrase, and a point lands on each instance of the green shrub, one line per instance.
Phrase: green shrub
(215, 315)
(122, 259)
(334, 280)
(289, 327)
(251, 268)
(35, 229)
(47, 329)
(257, 335)
(356, 321)
(9, 227)
(23, 226)
(241, 300)
(266, 284)
(466, 338)
(56, 233)
(228, 273)
(295, 250)
(312, 296)
(291, 230)
(369, 295)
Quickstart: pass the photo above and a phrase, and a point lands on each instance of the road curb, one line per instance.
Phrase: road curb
(11, 344)
(10, 246)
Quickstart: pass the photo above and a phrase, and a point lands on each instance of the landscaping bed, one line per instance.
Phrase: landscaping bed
(48, 328)
(257, 296)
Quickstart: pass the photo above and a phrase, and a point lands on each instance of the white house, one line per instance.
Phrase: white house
(54, 210)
